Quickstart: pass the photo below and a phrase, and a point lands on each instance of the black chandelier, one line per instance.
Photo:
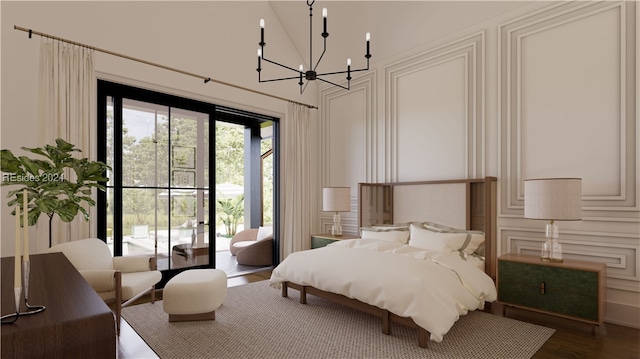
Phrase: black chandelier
(310, 74)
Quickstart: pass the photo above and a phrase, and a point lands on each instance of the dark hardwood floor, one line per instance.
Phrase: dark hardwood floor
(571, 339)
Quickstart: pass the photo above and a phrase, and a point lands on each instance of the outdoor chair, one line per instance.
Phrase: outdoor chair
(253, 247)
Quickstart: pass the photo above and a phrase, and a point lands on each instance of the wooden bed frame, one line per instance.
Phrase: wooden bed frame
(376, 206)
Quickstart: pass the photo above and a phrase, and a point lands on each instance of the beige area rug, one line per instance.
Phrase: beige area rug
(257, 322)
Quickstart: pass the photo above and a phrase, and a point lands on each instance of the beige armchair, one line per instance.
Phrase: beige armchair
(251, 250)
(119, 280)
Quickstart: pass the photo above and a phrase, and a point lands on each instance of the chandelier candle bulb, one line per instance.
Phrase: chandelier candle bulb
(261, 32)
(368, 38)
(349, 73)
(259, 61)
(324, 22)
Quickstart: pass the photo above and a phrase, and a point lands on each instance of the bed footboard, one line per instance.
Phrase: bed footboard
(386, 316)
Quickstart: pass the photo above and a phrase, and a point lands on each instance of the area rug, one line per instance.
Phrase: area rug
(255, 321)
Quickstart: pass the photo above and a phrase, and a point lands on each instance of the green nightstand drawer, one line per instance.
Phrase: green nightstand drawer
(564, 291)
(318, 242)
(322, 239)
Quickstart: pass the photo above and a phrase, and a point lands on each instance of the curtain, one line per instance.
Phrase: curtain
(67, 110)
(295, 172)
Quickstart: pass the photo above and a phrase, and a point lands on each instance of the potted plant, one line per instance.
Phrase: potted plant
(56, 182)
(231, 211)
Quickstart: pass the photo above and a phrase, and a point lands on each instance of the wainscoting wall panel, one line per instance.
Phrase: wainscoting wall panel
(434, 104)
(348, 143)
(566, 83)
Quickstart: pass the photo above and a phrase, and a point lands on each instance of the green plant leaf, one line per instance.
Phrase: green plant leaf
(29, 165)
(9, 163)
(47, 205)
(45, 177)
(68, 211)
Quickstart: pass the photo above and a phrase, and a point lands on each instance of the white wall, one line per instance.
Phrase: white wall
(546, 90)
(213, 39)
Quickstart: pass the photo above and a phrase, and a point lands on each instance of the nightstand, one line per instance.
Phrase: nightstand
(572, 289)
(322, 239)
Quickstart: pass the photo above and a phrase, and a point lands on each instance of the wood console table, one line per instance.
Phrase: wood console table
(76, 324)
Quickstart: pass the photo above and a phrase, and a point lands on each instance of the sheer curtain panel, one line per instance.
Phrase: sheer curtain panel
(67, 110)
(295, 171)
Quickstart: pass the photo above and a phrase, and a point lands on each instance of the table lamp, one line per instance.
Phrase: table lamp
(553, 199)
(336, 199)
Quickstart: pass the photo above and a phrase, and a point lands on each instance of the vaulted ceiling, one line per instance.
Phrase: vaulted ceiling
(395, 26)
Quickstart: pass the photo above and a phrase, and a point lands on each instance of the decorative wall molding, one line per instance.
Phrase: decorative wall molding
(363, 96)
(472, 50)
(366, 86)
(622, 205)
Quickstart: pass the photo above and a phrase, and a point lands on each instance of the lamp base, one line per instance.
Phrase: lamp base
(551, 249)
(336, 229)
(552, 260)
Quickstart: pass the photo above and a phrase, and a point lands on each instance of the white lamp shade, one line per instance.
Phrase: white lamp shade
(553, 199)
(336, 199)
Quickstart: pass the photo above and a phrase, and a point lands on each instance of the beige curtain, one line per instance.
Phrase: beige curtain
(295, 170)
(67, 110)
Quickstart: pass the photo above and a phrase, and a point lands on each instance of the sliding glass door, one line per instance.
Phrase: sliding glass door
(157, 200)
(185, 176)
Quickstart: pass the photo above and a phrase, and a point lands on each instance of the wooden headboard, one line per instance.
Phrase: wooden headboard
(459, 203)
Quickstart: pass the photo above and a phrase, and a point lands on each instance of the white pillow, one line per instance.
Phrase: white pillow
(264, 232)
(436, 227)
(435, 241)
(403, 226)
(393, 235)
(475, 241)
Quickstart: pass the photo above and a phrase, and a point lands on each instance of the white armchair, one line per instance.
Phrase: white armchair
(119, 280)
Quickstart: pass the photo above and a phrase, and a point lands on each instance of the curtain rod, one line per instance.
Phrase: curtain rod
(205, 78)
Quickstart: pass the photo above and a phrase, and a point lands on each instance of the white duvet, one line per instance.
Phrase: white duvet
(432, 288)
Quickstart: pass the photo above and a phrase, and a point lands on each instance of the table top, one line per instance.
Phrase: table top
(566, 263)
(72, 306)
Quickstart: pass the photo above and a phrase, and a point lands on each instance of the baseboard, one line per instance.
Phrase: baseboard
(623, 314)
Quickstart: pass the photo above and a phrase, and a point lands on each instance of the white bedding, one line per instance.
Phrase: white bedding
(432, 288)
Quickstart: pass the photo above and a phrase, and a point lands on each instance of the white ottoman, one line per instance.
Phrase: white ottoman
(194, 294)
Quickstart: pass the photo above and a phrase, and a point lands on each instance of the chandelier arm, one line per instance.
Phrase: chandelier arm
(304, 88)
(342, 72)
(321, 55)
(281, 65)
(280, 79)
(333, 83)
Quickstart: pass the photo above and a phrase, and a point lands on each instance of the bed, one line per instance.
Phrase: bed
(419, 262)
